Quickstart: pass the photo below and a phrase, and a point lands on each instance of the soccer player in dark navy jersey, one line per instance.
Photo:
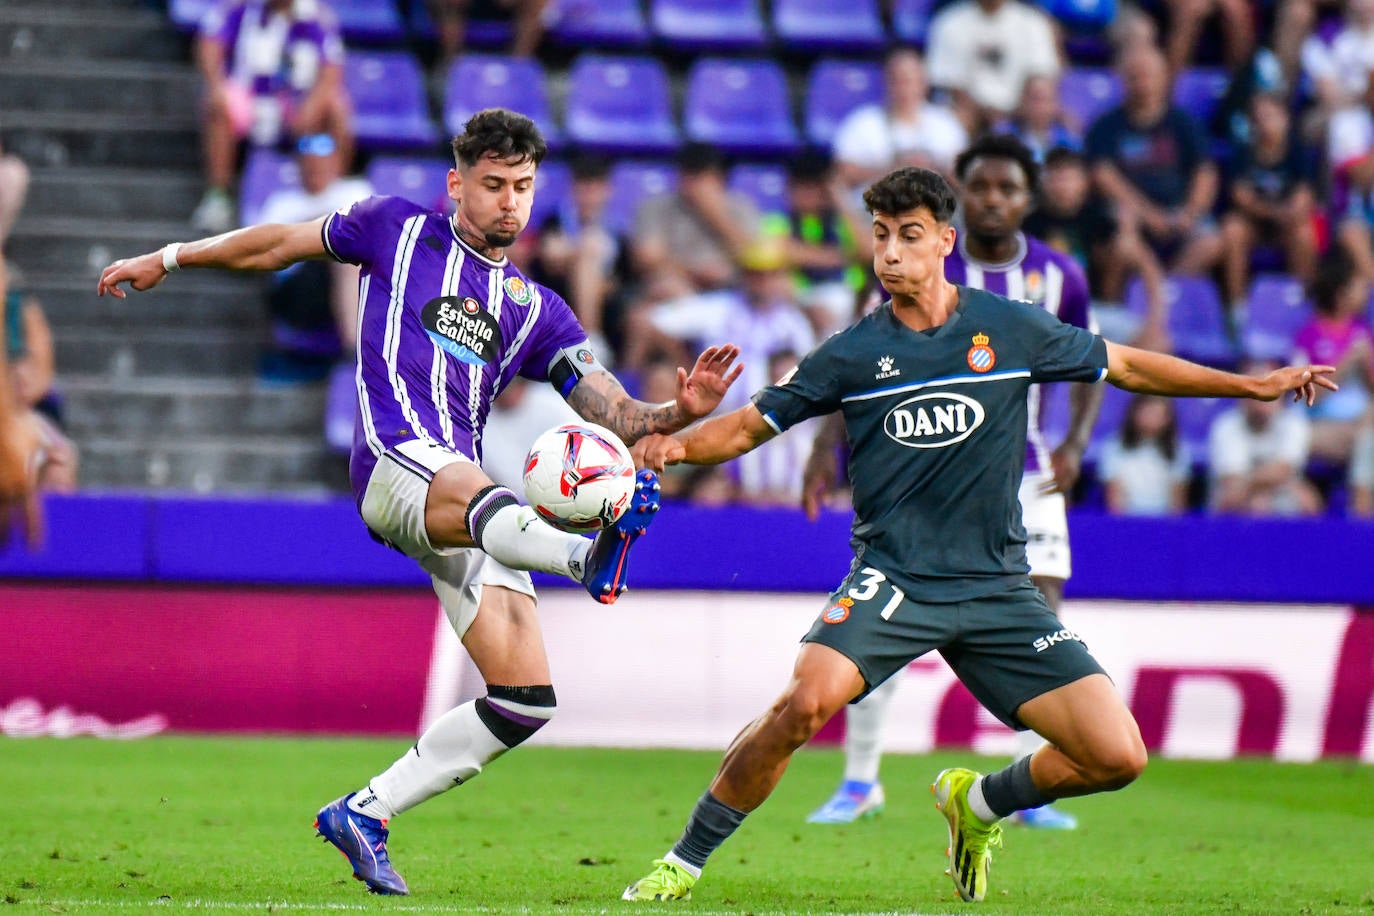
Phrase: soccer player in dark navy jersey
(445, 323)
(933, 387)
(999, 178)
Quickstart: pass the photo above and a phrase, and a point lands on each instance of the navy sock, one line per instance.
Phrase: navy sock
(711, 824)
(1011, 789)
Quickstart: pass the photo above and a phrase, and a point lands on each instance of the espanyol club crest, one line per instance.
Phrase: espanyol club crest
(838, 612)
(980, 355)
(518, 290)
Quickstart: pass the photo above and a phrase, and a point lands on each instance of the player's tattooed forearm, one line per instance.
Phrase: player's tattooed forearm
(602, 400)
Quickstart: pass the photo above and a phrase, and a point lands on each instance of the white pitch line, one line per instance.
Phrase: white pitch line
(277, 906)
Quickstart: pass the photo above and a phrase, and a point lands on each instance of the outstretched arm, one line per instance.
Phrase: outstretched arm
(271, 246)
(1147, 372)
(712, 442)
(601, 398)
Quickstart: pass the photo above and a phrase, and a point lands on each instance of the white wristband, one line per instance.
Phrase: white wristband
(169, 257)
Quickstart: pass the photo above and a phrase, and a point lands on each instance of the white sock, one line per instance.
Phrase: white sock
(516, 537)
(865, 727)
(682, 863)
(451, 751)
(1027, 743)
(978, 804)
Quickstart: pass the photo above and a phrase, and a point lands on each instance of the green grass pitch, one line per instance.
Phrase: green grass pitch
(172, 824)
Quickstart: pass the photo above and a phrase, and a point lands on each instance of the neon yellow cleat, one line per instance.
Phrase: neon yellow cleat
(970, 840)
(666, 882)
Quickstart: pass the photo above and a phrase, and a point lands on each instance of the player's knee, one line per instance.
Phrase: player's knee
(1120, 765)
(513, 714)
(800, 714)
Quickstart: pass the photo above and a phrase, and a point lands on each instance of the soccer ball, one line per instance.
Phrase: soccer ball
(579, 477)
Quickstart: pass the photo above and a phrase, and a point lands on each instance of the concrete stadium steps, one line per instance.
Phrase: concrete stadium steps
(229, 463)
(107, 32)
(167, 408)
(139, 87)
(203, 300)
(114, 194)
(139, 349)
(97, 138)
(83, 247)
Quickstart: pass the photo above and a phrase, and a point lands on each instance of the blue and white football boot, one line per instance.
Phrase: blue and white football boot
(852, 801)
(362, 840)
(604, 576)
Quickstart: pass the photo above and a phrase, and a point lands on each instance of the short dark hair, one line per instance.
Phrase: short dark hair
(911, 188)
(587, 167)
(1334, 273)
(500, 133)
(1063, 155)
(1000, 146)
(696, 157)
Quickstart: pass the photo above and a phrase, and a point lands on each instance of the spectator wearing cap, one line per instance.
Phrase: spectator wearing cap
(825, 245)
(273, 72)
(691, 239)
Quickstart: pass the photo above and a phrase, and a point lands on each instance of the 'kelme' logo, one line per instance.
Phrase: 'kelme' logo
(933, 420)
(885, 369)
(462, 329)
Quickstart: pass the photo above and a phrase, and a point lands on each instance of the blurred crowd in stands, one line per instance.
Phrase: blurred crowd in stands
(1210, 163)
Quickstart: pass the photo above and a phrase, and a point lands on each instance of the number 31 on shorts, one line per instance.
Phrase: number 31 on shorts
(868, 586)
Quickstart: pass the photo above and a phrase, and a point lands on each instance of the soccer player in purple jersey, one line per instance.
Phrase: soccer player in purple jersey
(999, 178)
(445, 323)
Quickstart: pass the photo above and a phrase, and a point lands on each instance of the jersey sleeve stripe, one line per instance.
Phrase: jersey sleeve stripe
(773, 422)
(324, 236)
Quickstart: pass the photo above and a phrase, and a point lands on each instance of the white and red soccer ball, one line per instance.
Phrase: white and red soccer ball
(579, 477)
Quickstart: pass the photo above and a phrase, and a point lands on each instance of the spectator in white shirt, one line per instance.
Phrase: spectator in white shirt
(983, 51)
(1145, 468)
(1257, 452)
(1362, 474)
(906, 129)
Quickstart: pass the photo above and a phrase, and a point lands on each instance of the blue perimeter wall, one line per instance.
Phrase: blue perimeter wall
(296, 542)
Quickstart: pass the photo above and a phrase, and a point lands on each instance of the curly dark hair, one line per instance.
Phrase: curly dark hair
(1000, 146)
(911, 188)
(507, 135)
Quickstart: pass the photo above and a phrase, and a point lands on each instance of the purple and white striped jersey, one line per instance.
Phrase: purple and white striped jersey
(270, 51)
(441, 331)
(1041, 276)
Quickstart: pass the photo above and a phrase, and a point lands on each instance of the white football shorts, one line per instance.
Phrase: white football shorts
(394, 508)
(1047, 528)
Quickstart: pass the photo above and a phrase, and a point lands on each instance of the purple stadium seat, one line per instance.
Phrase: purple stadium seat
(852, 25)
(740, 106)
(620, 104)
(632, 181)
(478, 81)
(420, 181)
(1276, 308)
(264, 171)
(552, 188)
(834, 88)
(765, 185)
(709, 24)
(911, 20)
(1197, 319)
(1198, 91)
(613, 23)
(369, 20)
(390, 107)
(1088, 93)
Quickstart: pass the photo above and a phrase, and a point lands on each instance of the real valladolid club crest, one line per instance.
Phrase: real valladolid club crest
(518, 290)
(980, 355)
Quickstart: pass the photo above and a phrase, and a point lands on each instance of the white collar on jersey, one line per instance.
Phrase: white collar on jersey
(1021, 249)
(453, 228)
